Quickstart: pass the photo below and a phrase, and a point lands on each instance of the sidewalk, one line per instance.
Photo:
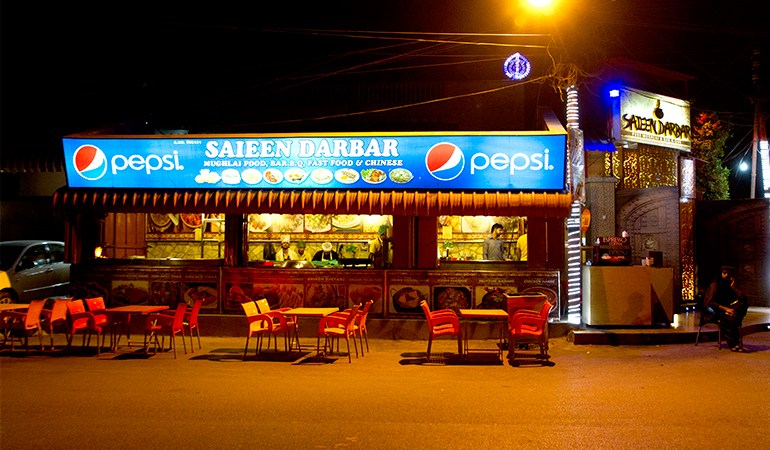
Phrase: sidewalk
(596, 396)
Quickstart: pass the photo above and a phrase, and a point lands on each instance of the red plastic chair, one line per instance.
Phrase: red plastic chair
(337, 326)
(264, 308)
(160, 323)
(443, 322)
(191, 320)
(360, 323)
(22, 323)
(86, 321)
(56, 317)
(272, 323)
(526, 325)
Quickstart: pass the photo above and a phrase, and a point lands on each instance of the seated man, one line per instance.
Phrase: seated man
(729, 306)
(301, 255)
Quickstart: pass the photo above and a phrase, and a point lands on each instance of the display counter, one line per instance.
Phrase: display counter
(397, 293)
(627, 295)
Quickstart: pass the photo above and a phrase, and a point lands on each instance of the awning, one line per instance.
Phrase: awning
(31, 162)
(597, 141)
(534, 204)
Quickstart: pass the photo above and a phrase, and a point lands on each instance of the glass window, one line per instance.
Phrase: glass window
(34, 256)
(56, 253)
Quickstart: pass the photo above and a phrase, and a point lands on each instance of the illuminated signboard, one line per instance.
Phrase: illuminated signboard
(654, 119)
(407, 161)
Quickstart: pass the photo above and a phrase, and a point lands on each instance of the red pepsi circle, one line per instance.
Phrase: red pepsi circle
(445, 161)
(90, 162)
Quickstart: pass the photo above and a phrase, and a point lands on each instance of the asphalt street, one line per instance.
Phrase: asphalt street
(588, 396)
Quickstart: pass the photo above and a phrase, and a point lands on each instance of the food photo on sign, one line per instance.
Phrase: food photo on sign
(452, 297)
(259, 223)
(361, 294)
(280, 295)
(235, 294)
(406, 299)
(134, 292)
(318, 223)
(201, 291)
(326, 296)
(165, 293)
(346, 222)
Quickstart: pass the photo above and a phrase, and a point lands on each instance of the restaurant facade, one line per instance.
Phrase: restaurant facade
(164, 219)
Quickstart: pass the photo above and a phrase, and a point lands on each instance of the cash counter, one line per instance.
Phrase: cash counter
(627, 295)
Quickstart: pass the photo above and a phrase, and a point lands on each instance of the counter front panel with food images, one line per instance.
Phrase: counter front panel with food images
(396, 293)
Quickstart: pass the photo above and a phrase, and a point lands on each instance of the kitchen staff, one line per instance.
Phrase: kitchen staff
(376, 248)
(285, 253)
(301, 255)
(493, 248)
(326, 253)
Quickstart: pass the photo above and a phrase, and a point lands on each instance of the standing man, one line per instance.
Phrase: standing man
(521, 245)
(377, 249)
(493, 249)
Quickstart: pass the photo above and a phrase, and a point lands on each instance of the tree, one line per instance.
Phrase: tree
(709, 137)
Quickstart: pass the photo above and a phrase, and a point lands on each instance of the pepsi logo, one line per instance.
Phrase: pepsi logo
(445, 161)
(90, 162)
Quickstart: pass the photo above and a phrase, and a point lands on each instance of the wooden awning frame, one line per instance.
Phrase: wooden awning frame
(496, 203)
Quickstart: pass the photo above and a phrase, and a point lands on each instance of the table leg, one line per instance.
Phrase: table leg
(465, 354)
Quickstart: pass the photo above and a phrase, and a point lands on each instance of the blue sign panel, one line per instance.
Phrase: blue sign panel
(474, 161)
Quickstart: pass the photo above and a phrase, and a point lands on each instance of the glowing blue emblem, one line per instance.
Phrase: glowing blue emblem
(517, 67)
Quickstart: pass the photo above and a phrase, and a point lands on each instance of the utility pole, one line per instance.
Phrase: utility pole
(759, 119)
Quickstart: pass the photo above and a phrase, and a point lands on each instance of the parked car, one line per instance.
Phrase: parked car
(32, 270)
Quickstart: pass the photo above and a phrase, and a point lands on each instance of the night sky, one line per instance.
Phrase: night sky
(67, 69)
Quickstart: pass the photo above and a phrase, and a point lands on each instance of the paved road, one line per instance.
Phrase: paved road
(627, 397)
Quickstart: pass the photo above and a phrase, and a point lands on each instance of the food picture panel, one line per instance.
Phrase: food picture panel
(326, 296)
(237, 293)
(454, 222)
(406, 299)
(318, 223)
(133, 292)
(167, 293)
(476, 224)
(191, 221)
(259, 223)
(452, 297)
(280, 295)
(159, 222)
(91, 289)
(493, 297)
(288, 223)
(202, 291)
(361, 294)
(372, 223)
(346, 223)
(550, 294)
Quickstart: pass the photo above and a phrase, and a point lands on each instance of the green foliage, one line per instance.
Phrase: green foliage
(708, 144)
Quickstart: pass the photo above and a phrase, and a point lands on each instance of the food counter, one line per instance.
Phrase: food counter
(397, 293)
